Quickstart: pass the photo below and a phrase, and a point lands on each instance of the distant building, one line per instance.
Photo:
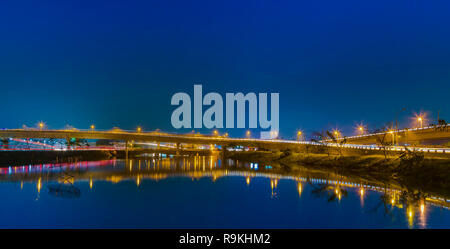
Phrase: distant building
(269, 134)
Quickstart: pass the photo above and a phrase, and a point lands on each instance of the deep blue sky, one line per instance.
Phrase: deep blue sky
(334, 63)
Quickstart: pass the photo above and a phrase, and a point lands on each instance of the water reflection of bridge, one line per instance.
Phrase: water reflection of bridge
(208, 167)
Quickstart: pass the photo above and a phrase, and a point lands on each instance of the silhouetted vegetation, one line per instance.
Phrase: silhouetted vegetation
(339, 142)
(320, 138)
(332, 193)
(411, 158)
(383, 144)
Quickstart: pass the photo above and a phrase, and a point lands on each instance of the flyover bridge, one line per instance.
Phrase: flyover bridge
(353, 143)
(157, 137)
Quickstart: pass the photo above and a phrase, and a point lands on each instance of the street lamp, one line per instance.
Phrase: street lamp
(92, 127)
(215, 132)
(420, 119)
(393, 136)
(396, 117)
(248, 134)
(41, 125)
(361, 129)
(336, 134)
(299, 135)
(139, 129)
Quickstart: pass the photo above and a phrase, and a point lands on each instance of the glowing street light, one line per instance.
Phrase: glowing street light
(361, 129)
(139, 129)
(299, 135)
(41, 125)
(420, 119)
(248, 134)
(216, 133)
(92, 127)
(337, 134)
(393, 136)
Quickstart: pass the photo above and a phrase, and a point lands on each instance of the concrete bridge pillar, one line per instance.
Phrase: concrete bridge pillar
(224, 151)
(126, 149)
(178, 148)
(224, 156)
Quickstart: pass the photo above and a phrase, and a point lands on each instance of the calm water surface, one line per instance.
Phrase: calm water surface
(204, 192)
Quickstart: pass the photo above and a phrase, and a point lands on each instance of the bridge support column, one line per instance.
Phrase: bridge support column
(126, 149)
(178, 149)
(406, 136)
(224, 155)
(224, 151)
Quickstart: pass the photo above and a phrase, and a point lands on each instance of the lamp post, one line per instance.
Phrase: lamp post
(420, 119)
(361, 129)
(393, 136)
(336, 133)
(299, 135)
(396, 117)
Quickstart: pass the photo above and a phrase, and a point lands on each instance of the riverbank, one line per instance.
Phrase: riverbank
(26, 157)
(427, 174)
(14, 158)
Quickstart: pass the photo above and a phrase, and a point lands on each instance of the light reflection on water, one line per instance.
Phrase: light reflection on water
(205, 192)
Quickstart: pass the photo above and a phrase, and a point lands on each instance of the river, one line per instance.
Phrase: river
(205, 192)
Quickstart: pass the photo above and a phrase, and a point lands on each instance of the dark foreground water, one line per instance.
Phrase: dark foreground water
(203, 192)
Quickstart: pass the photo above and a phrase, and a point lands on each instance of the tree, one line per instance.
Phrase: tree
(320, 139)
(411, 158)
(383, 144)
(339, 142)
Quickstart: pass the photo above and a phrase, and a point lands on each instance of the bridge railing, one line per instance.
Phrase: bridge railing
(398, 131)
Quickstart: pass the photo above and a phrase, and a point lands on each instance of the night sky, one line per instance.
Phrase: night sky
(117, 63)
